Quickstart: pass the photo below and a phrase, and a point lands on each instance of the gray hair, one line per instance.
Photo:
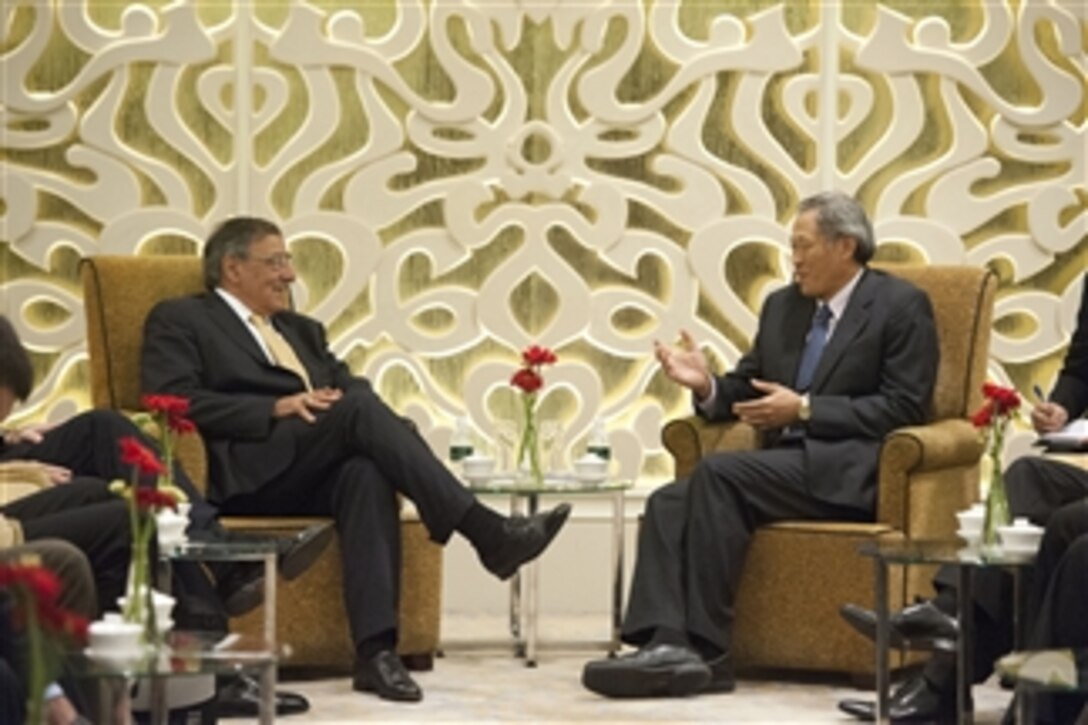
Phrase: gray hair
(232, 239)
(842, 216)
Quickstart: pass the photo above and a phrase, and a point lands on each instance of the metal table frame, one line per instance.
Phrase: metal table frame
(524, 585)
(966, 560)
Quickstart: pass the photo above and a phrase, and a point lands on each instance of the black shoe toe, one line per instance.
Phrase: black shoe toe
(384, 674)
(524, 539)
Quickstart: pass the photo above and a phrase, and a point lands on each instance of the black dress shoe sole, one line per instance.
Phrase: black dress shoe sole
(670, 681)
(245, 598)
(303, 553)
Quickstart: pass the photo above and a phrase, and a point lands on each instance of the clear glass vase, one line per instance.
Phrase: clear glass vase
(528, 463)
(997, 505)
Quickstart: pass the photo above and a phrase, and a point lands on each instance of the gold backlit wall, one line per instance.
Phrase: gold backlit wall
(460, 178)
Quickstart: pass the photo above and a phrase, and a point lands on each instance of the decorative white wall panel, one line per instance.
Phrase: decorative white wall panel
(461, 178)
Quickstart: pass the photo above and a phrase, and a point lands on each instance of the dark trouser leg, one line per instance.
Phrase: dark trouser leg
(361, 425)
(96, 524)
(657, 585)
(87, 445)
(731, 494)
(366, 510)
(368, 523)
(695, 537)
(1067, 525)
(77, 592)
(1062, 623)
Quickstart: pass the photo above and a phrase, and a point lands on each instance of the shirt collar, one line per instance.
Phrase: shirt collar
(235, 304)
(841, 298)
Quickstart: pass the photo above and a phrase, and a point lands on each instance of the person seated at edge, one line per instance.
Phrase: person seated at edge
(80, 456)
(1039, 488)
(824, 410)
(289, 430)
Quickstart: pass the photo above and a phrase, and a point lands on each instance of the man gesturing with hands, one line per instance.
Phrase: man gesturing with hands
(842, 356)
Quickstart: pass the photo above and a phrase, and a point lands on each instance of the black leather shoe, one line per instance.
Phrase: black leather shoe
(524, 539)
(240, 588)
(916, 623)
(240, 696)
(298, 553)
(722, 678)
(664, 670)
(385, 675)
(914, 701)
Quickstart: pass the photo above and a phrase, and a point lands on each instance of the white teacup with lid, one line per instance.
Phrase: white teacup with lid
(477, 466)
(1020, 536)
(591, 467)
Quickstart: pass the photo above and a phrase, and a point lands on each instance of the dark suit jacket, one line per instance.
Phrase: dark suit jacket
(197, 347)
(876, 374)
(1071, 390)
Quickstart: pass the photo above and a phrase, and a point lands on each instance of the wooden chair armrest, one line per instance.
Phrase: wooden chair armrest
(690, 439)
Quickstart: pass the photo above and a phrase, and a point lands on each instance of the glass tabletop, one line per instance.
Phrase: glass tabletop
(944, 551)
(218, 550)
(558, 482)
(185, 653)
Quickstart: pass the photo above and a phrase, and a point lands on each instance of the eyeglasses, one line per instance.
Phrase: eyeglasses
(275, 261)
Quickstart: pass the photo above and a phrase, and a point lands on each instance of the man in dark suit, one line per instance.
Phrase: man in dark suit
(289, 429)
(825, 411)
(1050, 493)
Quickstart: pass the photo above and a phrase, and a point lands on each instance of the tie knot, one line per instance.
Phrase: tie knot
(259, 320)
(823, 316)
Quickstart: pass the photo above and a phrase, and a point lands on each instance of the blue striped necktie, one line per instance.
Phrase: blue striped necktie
(814, 348)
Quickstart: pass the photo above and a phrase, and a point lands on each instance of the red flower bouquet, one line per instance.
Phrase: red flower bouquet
(529, 380)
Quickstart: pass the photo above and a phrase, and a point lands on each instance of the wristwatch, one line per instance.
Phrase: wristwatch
(805, 411)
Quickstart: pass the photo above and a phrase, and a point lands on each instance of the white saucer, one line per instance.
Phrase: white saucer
(1019, 550)
(591, 477)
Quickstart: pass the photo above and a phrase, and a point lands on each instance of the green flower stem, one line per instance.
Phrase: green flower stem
(36, 658)
(528, 445)
(997, 500)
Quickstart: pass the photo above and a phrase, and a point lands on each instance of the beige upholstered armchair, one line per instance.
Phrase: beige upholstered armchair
(798, 572)
(18, 479)
(119, 292)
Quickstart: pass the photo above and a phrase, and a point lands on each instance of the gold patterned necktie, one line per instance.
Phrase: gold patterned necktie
(282, 353)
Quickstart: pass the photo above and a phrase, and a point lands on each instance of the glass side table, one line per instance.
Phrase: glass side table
(262, 551)
(524, 589)
(183, 654)
(966, 560)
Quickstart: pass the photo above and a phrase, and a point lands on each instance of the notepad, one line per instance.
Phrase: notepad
(1073, 437)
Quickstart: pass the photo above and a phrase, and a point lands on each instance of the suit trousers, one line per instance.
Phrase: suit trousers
(87, 444)
(351, 465)
(695, 535)
(84, 513)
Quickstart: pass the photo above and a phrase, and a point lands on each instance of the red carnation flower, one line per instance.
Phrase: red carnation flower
(528, 380)
(152, 499)
(136, 454)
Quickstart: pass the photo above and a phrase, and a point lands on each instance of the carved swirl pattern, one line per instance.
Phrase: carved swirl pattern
(462, 178)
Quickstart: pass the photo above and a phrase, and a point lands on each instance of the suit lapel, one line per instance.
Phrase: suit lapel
(226, 320)
(854, 319)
